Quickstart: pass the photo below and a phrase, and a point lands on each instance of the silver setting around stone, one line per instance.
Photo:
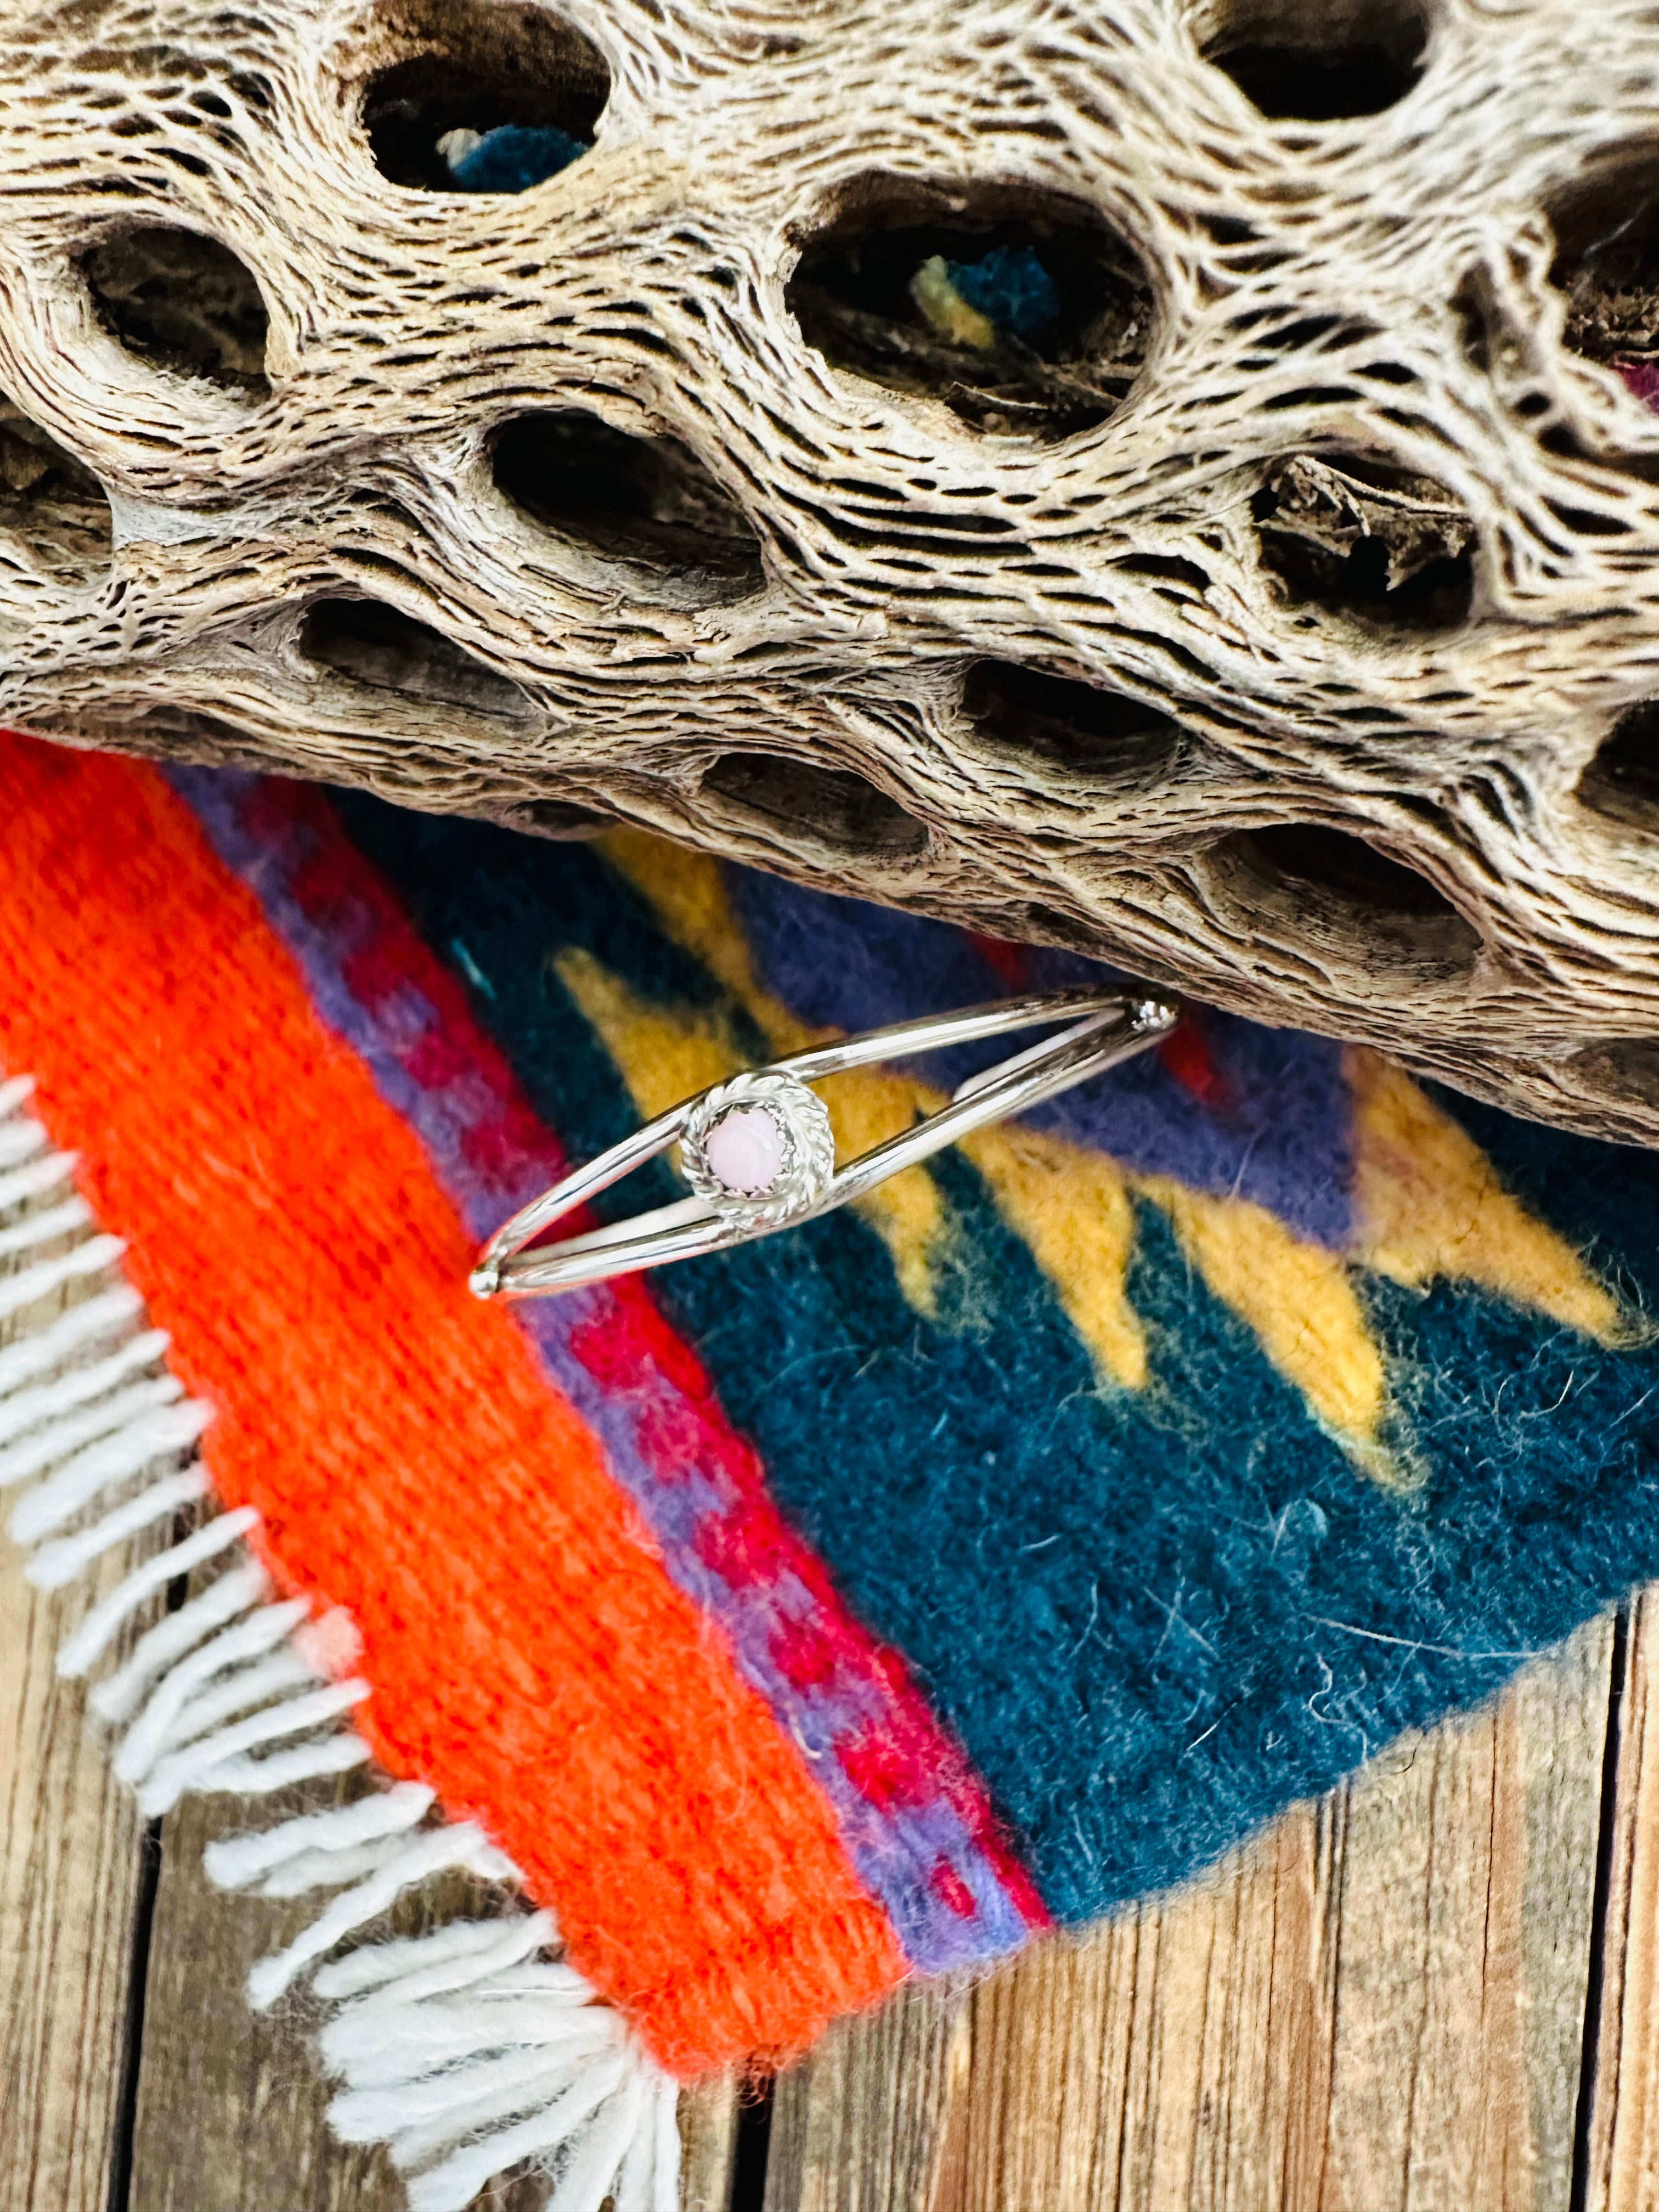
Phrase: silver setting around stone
(809, 1162)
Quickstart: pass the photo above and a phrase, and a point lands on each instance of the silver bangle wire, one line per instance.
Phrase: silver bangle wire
(1104, 1027)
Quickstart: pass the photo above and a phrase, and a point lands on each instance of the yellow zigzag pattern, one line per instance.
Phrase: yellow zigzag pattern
(1427, 1201)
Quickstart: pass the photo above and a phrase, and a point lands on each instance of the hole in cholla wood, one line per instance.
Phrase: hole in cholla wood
(1300, 881)
(1635, 1061)
(1021, 310)
(1367, 538)
(1607, 264)
(1310, 892)
(1082, 729)
(52, 508)
(645, 500)
(183, 303)
(1346, 868)
(823, 809)
(481, 97)
(1622, 781)
(380, 646)
(1319, 60)
(1628, 1068)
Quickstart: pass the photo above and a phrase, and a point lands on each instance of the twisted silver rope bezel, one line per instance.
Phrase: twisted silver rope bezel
(809, 1164)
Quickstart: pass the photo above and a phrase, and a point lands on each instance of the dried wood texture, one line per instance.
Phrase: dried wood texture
(1380, 2005)
(1280, 617)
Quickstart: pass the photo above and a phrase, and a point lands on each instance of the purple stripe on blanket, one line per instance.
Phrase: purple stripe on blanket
(935, 1859)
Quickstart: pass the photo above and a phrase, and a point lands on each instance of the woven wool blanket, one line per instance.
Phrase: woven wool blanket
(854, 1605)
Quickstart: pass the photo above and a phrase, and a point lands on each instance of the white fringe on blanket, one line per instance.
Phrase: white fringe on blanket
(466, 2051)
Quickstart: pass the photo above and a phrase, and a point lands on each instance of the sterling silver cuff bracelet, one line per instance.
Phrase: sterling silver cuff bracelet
(758, 1153)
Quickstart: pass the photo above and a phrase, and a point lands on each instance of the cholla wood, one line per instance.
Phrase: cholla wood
(348, 526)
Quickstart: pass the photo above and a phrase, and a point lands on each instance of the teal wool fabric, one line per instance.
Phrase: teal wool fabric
(1153, 1614)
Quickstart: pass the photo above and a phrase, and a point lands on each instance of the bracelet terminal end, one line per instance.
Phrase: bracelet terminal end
(1154, 1013)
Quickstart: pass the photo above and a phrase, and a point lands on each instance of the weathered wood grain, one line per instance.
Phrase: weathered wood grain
(1622, 2137)
(1378, 2005)
(708, 2135)
(1467, 1882)
(72, 1887)
(71, 1844)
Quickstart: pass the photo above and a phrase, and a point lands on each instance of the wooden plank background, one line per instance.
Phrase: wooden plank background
(1438, 1989)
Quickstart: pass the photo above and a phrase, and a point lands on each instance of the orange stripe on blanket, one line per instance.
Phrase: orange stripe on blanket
(529, 1656)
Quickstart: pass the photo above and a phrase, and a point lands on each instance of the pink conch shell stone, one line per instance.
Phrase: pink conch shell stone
(746, 1150)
